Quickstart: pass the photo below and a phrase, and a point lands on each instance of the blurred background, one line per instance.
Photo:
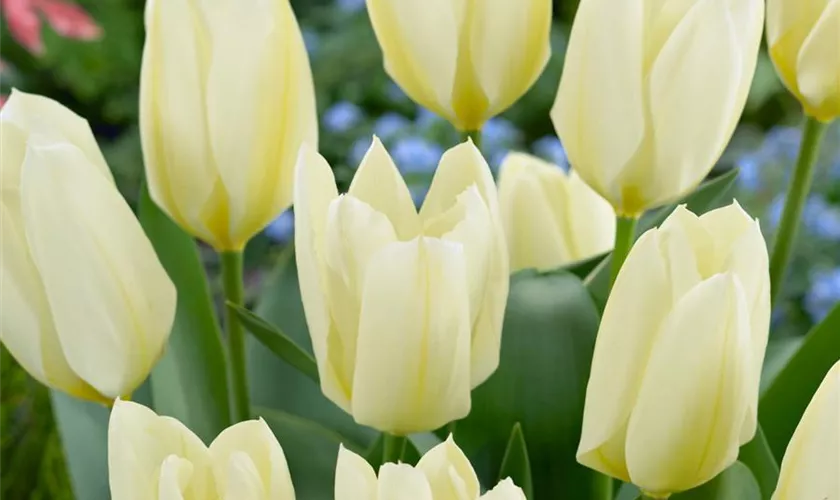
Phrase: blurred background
(86, 54)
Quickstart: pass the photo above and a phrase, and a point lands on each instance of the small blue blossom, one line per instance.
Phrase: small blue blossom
(783, 141)
(774, 211)
(416, 154)
(342, 116)
(550, 148)
(312, 40)
(498, 132)
(390, 125)
(824, 293)
(749, 171)
(418, 194)
(351, 6)
(496, 158)
(282, 229)
(426, 118)
(395, 93)
(358, 150)
(822, 218)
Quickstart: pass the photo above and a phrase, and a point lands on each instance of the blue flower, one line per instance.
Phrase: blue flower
(749, 170)
(822, 218)
(282, 229)
(390, 125)
(342, 116)
(416, 155)
(312, 40)
(498, 132)
(783, 141)
(358, 150)
(395, 93)
(426, 118)
(496, 158)
(774, 211)
(351, 6)
(418, 195)
(550, 148)
(824, 293)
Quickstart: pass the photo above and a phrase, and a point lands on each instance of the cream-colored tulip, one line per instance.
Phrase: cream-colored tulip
(811, 466)
(443, 473)
(86, 305)
(465, 60)
(404, 309)
(673, 390)
(156, 458)
(652, 91)
(226, 100)
(804, 41)
(551, 218)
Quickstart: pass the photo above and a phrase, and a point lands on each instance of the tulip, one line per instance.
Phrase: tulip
(465, 60)
(673, 390)
(444, 472)
(404, 309)
(651, 93)
(812, 460)
(551, 218)
(152, 457)
(802, 37)
(87, 306)
(226, 100)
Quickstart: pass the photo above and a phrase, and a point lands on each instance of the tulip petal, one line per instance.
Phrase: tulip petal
(599, 111)
(173, 130)
(690, 134)
(412, 361)
(140, 443)
(402, 482)
(505, 490)
(591, 219)
(810, 465)
(112, 302)
(52, 122)
(314, 190)
(460, 168)
(692, 400)
(354, 477)
(424, 66)
(788, 25)
(247, 458)
(632, 317)
(175, 476)
(379, 184)
(449, 472)
(818, 66)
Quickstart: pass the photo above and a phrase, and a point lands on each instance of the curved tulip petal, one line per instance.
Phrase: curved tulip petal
(505, 490)
(403, 482)
(591, 219)
(354, 477)
(412, 366)
(175, 476)
(111, 300)
(692, 399)
(818, 65)
(449, 472)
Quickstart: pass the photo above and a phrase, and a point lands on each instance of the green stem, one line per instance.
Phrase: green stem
(625, 234)
(602, 487)
(475, 135)
(392, 448)
(234, 293)
(797, 194)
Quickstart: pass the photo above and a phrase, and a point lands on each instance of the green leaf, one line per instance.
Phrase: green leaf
(515, 464)
(757, 456)
(311, 451)
(190, 381)
(547, 343)
(778, 355)
(83, 428)
(277, 385)
(279, 343)
(735, 483)
(782, 405)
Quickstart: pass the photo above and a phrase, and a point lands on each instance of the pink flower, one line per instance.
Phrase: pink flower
(67, 19)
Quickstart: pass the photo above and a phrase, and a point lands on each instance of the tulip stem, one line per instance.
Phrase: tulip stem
(234, 293)
(797, 194)
(392, 448)
(475, 135)
(625, 234)
(602, 487)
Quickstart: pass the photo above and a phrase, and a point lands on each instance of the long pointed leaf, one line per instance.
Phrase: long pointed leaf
(516, 464)
(757, 456)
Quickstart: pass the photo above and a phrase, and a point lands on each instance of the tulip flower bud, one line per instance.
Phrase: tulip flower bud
(673, 390)
(404, 309)
(651, 93)
(443, 472)
(466, 61)
(87, 306)
(551, 218)
(152, 457)
(226, 100)
(812, 460)
(802, 37)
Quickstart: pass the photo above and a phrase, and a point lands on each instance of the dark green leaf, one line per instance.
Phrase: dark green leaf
(778, 355)
(515, 463)
(784, 402)
(83, 427)
(735, 483)
(757, 456)
(190, 381)
(547, 343)
(311, 451)
(281, 345)
(277, 385)
(583, 268)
